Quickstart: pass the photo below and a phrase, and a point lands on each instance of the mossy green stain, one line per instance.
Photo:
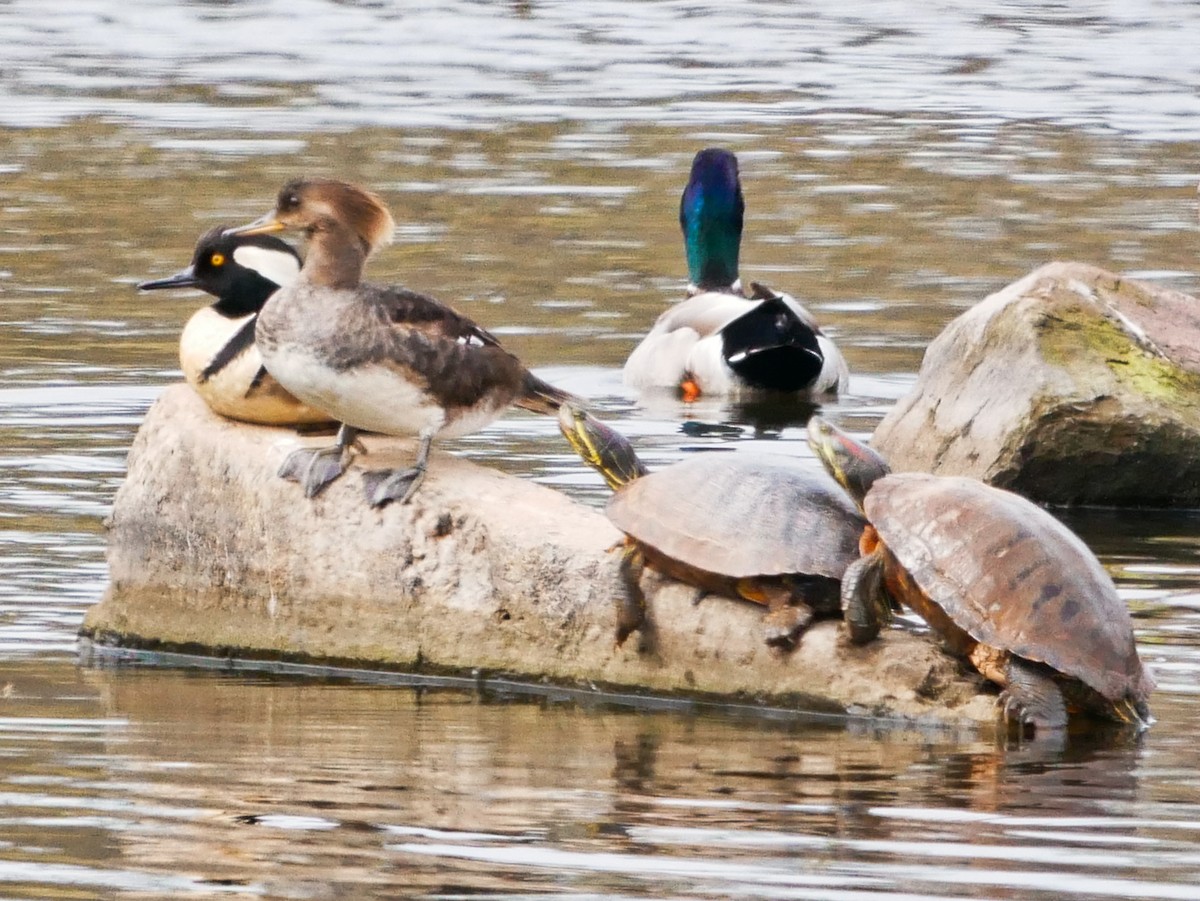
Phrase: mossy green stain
(1133, 367)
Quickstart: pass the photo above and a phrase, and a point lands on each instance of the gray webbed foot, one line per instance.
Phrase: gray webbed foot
(314, 469)
(383, 486)
(295, 464)
(387, 485)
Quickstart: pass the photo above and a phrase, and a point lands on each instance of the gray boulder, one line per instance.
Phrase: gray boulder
(483, 574)
(1071, 386)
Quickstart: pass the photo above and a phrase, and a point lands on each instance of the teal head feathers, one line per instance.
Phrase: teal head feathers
(710, 214)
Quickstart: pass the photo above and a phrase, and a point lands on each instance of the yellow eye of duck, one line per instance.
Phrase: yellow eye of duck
(217, 259)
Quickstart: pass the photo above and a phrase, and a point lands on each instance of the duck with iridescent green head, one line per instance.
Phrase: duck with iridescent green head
(719, 339)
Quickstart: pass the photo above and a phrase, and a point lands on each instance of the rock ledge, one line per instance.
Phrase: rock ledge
(482, 573)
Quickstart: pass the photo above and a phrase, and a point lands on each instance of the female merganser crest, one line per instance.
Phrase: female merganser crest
(216, 349)
(378, 358)
(718, 340)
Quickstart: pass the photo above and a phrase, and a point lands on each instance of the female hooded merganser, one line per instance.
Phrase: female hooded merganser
(216, 349)
(379, 358)
(717, 340)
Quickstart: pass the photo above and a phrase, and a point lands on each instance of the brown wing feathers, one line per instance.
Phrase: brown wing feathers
(462, 361)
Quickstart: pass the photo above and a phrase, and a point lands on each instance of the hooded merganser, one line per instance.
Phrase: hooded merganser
(216, 349)
(718, 340)
(378, 358)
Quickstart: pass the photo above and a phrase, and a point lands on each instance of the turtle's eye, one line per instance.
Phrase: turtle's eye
(217, 259)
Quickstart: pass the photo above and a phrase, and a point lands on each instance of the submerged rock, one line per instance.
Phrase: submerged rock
(482, 573)
(1071, 386)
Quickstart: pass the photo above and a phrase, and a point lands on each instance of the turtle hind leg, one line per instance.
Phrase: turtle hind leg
(783, 624)
(787, 614)
(866, 605)
(1031, 697)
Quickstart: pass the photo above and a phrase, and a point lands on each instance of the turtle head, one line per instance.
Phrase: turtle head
(851, 463)
(710, 213)
(603, 448)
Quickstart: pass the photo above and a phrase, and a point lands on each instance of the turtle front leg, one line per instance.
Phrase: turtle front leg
(314, 469)
(631, 607)
(1031, 697)
(866, 606)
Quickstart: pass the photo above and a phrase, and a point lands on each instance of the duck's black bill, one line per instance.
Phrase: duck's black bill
(185, 278)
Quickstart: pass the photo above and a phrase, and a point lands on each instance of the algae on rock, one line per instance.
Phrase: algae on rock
(1071, 386)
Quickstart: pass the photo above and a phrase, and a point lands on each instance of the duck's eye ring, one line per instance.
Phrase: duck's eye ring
(217, 259)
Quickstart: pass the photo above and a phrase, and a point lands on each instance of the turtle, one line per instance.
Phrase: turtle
(1004, 584)
(744, 526)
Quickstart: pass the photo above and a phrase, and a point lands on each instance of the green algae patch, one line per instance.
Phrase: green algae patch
(1072, 385)
(1071, 344)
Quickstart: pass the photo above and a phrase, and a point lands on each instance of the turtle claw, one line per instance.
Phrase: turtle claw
(782, 626)
(1011, 711)
(1032, 700)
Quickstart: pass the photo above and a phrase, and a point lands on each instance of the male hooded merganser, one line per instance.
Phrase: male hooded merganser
(378, 358)
(718, 340)
(216, 349)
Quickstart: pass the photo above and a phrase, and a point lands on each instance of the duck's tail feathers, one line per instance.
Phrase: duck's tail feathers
(771, 347)
(538, 396)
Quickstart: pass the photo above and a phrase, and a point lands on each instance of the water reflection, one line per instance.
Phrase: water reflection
(342, 789)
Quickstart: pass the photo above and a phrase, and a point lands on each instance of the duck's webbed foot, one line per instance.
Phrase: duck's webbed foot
(314, 469)
(383, 486)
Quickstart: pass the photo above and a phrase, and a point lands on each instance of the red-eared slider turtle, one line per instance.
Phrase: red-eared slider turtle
(737, 525)
(1003, 582)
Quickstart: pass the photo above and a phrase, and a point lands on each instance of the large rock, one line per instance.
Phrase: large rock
(1070, 386)
(483, 574)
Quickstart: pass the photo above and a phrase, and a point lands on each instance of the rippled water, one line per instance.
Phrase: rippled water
(900, 161)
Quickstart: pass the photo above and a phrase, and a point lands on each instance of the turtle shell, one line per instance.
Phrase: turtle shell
(1010, 575)
(739, 515)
